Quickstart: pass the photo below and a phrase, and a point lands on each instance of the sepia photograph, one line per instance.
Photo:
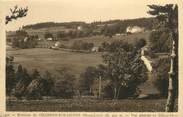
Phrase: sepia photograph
(91, 56)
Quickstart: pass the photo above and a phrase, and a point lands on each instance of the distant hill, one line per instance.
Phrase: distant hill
(83, 29)
(53, 24)
(142, 22)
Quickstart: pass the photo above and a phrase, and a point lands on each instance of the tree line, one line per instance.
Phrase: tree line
(106, 28)
(21, 84)
(23, 40)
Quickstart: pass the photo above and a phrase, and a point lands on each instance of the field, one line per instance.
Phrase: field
(55, 60)
(76, 62)
(90, 105)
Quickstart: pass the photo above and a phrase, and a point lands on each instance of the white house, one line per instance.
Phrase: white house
(49, 39)
(134, 29)
(80, 28)
(58, 44)
(25, 39)
(95, 49)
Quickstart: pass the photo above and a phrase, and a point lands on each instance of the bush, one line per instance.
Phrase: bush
(23, 40)
(80, 45)
(64, 86)
(140, 43)
(87, 79)
(48, 35)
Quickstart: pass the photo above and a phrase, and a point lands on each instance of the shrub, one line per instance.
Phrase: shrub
(64, 86)
(140, 43)
(87, 79)
(23, 40)
(80, 45)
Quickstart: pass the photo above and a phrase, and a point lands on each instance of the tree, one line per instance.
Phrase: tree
(64, 85)
(48, 84)
(124, 68)
(35, 88)
(88, 78)
(10, 72)
(48, 35)
(101, 74)
(21, 85)
(16, 13)
(140, 43)
(161, 76)
(160, 41)
(108, 31)
(61, 34)
(19, 73)
(10, 75)
(168, 18)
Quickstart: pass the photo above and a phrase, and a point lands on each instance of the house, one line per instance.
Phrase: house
(117, 34)
(58, 44)
(80, 28)
(49, 39)
(134, 29)
(25, 39)
(95, 49)
(120, 34)
(39, 39)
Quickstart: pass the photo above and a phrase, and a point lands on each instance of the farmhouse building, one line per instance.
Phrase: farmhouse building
(95, 49)
(134, 29)
(80, 28)
(49, 39)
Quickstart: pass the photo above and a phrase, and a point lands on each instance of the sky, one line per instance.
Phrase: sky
(79, 10)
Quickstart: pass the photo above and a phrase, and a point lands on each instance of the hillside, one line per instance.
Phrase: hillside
(87, 29)
(53, 60)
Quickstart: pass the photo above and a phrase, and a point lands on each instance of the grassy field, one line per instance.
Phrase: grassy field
(55, 60)
(90, 105)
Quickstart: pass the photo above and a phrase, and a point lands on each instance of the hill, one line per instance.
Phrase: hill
(83, 29)
(54, 60)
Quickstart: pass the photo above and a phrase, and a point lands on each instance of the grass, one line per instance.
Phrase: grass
(55, 60)
(90, 105)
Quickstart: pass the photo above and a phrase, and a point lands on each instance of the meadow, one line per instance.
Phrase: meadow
(89, 105)
(54, 60)
(45, 59)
